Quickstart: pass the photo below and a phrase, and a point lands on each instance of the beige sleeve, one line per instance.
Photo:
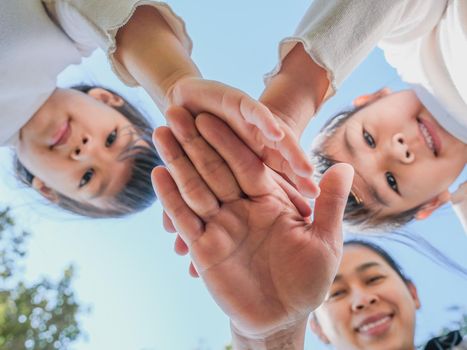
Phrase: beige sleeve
(94, 23)
(339, 34)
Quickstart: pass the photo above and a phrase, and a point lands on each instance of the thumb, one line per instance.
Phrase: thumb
(330, 205)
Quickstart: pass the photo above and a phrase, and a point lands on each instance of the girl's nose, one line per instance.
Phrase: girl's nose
(400, 149)
(78, 152)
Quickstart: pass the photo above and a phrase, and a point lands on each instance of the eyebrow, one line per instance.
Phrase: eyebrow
(348, 145)
(102, 188)
(105, 183)
(128, 146)
(361, 268)
(375, 194)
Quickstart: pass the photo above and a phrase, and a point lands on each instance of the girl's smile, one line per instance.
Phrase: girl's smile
(74, 145)
(394, 154)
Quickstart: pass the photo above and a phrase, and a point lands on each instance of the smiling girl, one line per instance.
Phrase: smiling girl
(88, 150)
(396, 147)
(407, 147)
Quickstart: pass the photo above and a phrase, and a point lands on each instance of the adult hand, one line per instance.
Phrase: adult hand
(268, 136)
(266, 265)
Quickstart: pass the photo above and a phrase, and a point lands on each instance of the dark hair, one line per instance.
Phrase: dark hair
(383, 254)
(137, 193)
(357, 215)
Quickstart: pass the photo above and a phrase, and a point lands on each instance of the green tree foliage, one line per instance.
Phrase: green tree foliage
(33, 316)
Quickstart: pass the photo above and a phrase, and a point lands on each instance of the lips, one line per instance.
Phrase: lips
(375, 325)
(430, 136)
(62, 135)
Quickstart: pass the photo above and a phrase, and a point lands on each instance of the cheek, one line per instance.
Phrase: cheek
(438, 181)
(40, 162)
(337, 323)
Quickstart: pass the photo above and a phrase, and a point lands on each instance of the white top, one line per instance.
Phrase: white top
(39, 39)
(425, 40)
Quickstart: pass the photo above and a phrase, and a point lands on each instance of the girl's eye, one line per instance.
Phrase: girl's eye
(111, 138)
(86, 178)
(391, 180)
(369, 139)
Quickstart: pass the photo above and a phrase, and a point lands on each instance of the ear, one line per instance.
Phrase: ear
(318, 331)
(107, 97)
(44, 190)
(413, 292)
(427, 209)
(366, 99)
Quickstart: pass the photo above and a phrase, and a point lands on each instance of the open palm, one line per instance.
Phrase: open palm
(265, 264)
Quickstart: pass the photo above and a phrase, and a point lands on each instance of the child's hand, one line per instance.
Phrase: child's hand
(269, 137)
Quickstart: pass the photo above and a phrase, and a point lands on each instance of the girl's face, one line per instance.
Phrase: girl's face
(402, 157)
(369, 307)
(73, 143)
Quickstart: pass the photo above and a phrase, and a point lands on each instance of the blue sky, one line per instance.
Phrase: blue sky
(140, 294)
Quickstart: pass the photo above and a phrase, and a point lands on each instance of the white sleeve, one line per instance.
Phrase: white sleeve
(339, 34)
(94, 23)
(459, 204)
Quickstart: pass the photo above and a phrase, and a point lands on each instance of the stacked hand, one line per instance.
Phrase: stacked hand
(266, 134)
(264, 261)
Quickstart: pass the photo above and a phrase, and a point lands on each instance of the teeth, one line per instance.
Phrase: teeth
(372, 325)
(427, 136)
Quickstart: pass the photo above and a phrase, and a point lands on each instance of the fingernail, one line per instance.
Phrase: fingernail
(311, 190)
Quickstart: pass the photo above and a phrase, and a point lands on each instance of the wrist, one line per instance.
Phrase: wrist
(152, 54)
(298, 90)
(286, 337)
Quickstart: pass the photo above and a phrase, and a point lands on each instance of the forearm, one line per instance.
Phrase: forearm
(289, 338)
(152, 54)
(298, 90)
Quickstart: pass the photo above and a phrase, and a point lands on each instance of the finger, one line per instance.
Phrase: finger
(180, 246)
(192, 270)
(300, 202)
(186, 222)
(192, 187)
(228, 103)
(304, 184)
(210, 166)
(289, 149)
(247, 168)
(330, 205)
(167, 223)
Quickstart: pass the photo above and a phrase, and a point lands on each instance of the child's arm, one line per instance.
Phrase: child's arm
(331, 40)
(146, 50)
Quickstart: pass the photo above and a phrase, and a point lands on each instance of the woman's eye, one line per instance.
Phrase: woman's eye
(86, 178)
(369, 139)
(336, 293)
(111, 138)
(391, 180)
(374, 279)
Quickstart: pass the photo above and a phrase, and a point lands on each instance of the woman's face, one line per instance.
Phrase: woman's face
(369, 307)
(402, 157)
(73, 143)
